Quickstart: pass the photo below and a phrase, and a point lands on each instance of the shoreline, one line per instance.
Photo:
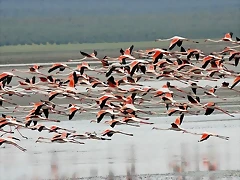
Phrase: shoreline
(25, 54)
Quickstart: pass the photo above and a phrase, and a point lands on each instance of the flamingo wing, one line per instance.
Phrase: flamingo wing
(131, 49)
(52, 95)
(175, 126)
(95, 53)
(235, 82)
(122, 51)
(209, 111)
(192, 100)
(54, 67)
(111, 82)
(236, 61)
(85, 54)
(179, 120)
(204, 137)
(173, 43)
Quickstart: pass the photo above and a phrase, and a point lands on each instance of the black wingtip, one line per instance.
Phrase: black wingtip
(182, 49)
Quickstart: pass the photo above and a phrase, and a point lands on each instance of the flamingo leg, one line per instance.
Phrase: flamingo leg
(21, 134)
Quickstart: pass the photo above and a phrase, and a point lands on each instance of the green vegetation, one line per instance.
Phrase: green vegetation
(62, 22)
(43, 31)
(63, 52)
(53, 52)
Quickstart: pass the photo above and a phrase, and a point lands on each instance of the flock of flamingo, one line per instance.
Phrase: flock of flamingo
(125, 106)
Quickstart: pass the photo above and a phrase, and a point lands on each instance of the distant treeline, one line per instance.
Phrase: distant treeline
(62, 22)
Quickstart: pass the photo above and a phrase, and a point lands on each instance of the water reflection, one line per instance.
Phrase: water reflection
(183, 166)
(187, 162)
(131, 171)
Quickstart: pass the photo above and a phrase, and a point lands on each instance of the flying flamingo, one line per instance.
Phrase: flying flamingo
(175, 126)
(131, 107)
(211, 92)
(87, 135)
(9, 141)
(211, 106)
(32, 70)
(84, 65)
(36, 118)
(226, 38)
(176, 40)
(91, 56)
(226, 85)
(128, 51)
(4, 122)
(159, 55)
(8, 77)
(195, 52)
(11, 122)
(59, 138)
(55, 129)
(134, 119)
(110, 132)
(181, 109)
(194, 87)
(206, 135)
(113, 123)
(59, 66)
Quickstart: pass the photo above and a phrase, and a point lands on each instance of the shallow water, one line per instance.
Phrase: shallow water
(147, 152)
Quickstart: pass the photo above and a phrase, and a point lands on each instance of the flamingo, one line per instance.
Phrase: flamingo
(32, 70)
(211, 106)
(176, 40)
(11, 122)
(226, 85)
(9, 141)
(3, 123)
(190, 52)
(72, 112)
(194, 87)
(158, 54)
(53, 128)
(91, 56)
(110, 133)
(36, 118)
(102, 113)
(114, 122)
(212, 91)
(58, 140)
(227, 38)
(8, 77)
(87, 135)
(206, 135)
(133, 119)
(175, 126)
(128, 51)
(181, 109)
(59, 66)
